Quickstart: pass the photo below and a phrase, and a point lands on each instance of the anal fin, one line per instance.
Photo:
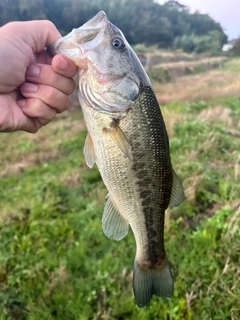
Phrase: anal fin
(113, 223)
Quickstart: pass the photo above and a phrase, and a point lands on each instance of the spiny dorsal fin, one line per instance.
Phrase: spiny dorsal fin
(120, 139)
(113, 223)
(177, 195)
(89, 152)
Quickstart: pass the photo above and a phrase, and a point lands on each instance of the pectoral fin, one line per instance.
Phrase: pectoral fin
(89, 152)
(117, 135)
(177, 195)
(114, 225)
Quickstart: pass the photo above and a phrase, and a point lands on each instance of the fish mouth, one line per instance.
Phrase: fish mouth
(98, 21)
(72, 45)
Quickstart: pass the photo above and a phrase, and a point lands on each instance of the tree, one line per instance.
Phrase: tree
(236, 48)
(172, 4)
(142, 21)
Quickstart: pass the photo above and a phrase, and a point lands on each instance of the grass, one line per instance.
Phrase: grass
(157, 55)
(215, 85)
(232, 65)
(164, 72)
(56, 263)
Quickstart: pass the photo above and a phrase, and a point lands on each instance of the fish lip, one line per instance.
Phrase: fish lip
(66, 42)
(98, 21)
(80, 36)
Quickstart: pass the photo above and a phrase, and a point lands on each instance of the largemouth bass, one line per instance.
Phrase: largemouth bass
(128, 141)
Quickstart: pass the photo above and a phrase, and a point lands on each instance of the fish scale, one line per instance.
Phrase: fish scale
(127, 139)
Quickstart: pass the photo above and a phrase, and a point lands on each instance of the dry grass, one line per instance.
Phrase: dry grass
(222, 113)
(181, 68)
(207, 62)
(31, 160)
(205, 86)
(171, 118)
(153, 59)
(32, 150)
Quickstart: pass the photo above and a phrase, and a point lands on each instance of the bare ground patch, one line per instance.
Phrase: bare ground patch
(205, 86)
(22, 150)
(222, 113)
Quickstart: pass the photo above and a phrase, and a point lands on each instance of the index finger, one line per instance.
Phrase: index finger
(64, 66)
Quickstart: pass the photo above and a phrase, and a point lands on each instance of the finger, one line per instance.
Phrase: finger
(49, 95)
(31, 125)
(12, 118)
(63, 66)
(36, 108)
(44, 74)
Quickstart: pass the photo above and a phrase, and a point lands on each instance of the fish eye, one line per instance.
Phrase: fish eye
(118, 43)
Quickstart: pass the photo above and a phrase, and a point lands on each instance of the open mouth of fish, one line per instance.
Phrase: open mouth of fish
(96, 48)
(76, 44)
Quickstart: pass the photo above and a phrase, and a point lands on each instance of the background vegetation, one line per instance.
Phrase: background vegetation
(55, 262)
(142, 21)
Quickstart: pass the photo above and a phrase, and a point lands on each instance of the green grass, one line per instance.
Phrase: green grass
(232, 65)
(56, 263)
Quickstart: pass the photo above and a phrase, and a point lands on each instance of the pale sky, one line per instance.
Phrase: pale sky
(226, 12)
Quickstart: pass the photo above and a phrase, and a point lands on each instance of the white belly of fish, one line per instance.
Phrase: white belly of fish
(116, 171)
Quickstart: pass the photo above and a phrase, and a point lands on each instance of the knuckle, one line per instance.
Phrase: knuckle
(49, 24)
(34, 129)
(47, 117)
(65, 105)
(36, 105)
(52, 94)
(68, 104)
(33, 106)
(54, 78)
(43, 122)
(72, 86)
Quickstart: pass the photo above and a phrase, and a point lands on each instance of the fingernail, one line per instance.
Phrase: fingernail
(63, 64)
(29, 87)
(33, 71)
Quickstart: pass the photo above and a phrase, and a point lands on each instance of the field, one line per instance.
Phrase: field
(56, 263)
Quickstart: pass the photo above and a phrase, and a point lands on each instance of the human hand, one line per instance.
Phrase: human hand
(33, 86)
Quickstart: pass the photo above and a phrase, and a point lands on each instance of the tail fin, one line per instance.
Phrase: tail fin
(148, 282)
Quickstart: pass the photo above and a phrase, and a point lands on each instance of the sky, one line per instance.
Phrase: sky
(226, 12)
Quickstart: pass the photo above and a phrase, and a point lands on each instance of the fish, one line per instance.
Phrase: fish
(128, 141)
